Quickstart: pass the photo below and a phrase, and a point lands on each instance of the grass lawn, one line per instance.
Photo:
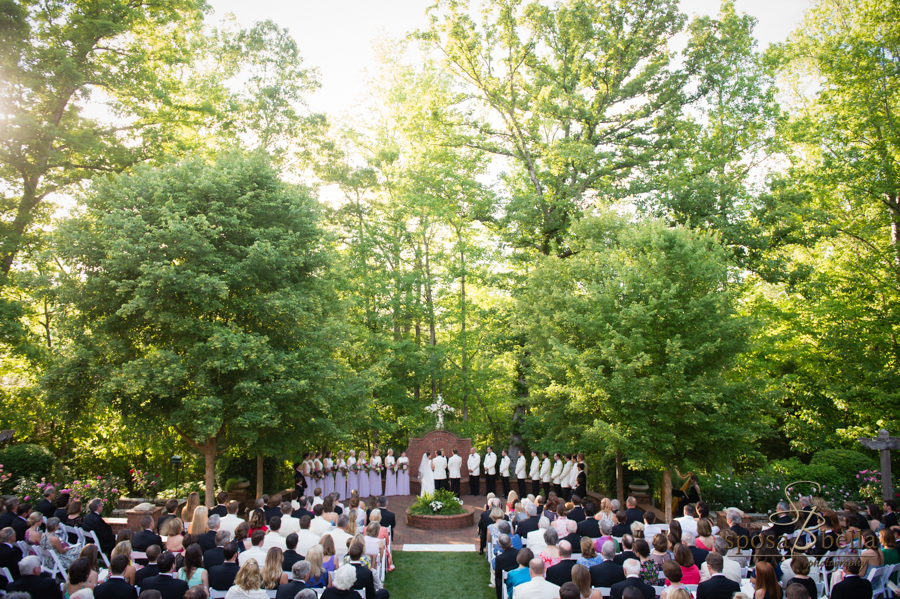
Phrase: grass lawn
(439, 576)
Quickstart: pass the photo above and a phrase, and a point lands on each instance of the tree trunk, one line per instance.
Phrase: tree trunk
(620, 480)
(429, 306)
(667, 493)
(209, 452)
(464, 358)
(259, 476)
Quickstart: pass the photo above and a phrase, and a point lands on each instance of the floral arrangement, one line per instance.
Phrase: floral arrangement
(363, 466)
(870, 485)
(4, 477)
(343, 469)
(403, 467)
(144, 484)
(761, 491)
(107, 490)
(318, 474)
(440, 503)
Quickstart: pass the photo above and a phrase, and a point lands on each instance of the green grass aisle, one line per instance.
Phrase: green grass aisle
(439, 576)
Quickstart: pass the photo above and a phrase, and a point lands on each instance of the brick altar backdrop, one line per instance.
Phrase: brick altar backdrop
(446, 442)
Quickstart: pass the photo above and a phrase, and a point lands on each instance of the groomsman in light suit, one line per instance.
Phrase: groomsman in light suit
(504, 472)
(556, 474)
(545, 473)
(490, 470)
(439, 463)
(566, 477)
(474, 465)
(454, 466)
(521, 474)
(535, 473)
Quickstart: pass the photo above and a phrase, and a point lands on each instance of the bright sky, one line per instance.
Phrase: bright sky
(336, 35)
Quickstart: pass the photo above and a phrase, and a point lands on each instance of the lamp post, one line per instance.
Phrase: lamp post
(176, 465)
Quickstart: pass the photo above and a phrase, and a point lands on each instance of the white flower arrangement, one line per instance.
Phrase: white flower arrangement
(436, 506)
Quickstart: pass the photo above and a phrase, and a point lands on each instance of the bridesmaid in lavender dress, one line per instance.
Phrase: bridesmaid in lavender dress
(328, 469)
(363, 475)
(352, 476)
(403, 474)
(390, 474)
(340, 483)
(375, 475)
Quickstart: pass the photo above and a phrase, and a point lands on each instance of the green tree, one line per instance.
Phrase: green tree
(203, 301)
(631, 342)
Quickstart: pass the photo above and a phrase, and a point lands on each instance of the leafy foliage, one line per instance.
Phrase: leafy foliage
(26, 460)
(439, 503)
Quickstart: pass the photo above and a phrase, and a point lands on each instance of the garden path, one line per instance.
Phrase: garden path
(406, 534)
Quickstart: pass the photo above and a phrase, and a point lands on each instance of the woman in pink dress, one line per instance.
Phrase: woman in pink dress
(390, 474)
(375, 474)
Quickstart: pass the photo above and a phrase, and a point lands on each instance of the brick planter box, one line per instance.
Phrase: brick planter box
(441, 522)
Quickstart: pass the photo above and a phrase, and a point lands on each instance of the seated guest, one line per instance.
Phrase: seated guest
(165, 582)
(529, 524)
(673, 573)
(145, 537)
(649, 569)
(632, 580)
(559, 523)
(162, 525)
(272, 574)
(504, 562)
(550, 554)
(306, 538)
(274, 508)
(572, 537)
(535, 539)
(175, 536)
(290, 555)
(289, 524)
(730, 568)
(622, 527)
(256, 550)
(319, 577)
(505, 528)
(319, 525)
(95, 522)
(561, 572)
(193, 572)
(344, 579)
(299, 573)
(606, 529)
(734, 518)
(273, 537)
(590, 526)
(47, 505)
(301, 509)
(340, 535)
(632, 512)
(364, 578)
(124, 548)
(116, 587)
(537, 587)
(62, 502)
(221, 510)
(79, 575)
(608, 572)
(7, 517)
(10, 554)
(581, 578)
(705, 539)
(151, 569)
(230, 521)
(688, 524)
(207, 540)
(651, 528)
(627, 550)
(92, 554)
(54, 540)
(20, 524)
(796, 591)
(690, 573)
(331, 561)
(767, 587)
(215, 556)
(522, 574)
(31, 581)
(589, 556)
(800, 568)
(577, 512)
(221, 577)
(246, 583)
(718, 586)
(734, 554)
(257, 521)
(699, 555)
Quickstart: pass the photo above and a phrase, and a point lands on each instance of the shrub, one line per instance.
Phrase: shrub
(439, 503)
(847, 462)
(26, 461)
(795, 470)
(107, 489)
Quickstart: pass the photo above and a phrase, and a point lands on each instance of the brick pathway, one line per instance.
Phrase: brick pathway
(406, 534)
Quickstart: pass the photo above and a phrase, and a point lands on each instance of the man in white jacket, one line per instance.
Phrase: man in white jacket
(521, 465)
(504, 472)
(545, 473)
(535, 473)
(474, 465)
(454, 467)
(566, 477)
(556, 474)
(490, 470)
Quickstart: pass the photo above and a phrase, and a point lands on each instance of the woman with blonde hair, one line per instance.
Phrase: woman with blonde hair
(319, 577)
(175, 540)
(511, 501)
(199, 521)
(246, 583)
(589, 555)
(187, 512)
(606, 512)
(124, 548)
(351, 526)
(383, 535)
(373, 544)
(272, 574)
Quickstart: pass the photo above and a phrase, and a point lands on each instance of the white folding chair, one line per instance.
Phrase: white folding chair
(362, 593)
(503, 593)
(876, 577)
(214, 594)
(99, 550)
(271, 593)
(604, 591)
(26, 549)
(692, 588)
(658, 590)
(7, 574)
(58, 564)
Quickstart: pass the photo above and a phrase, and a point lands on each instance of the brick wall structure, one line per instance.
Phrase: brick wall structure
(446, 442)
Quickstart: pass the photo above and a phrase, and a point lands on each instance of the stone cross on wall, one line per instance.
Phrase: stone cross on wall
(884, 443)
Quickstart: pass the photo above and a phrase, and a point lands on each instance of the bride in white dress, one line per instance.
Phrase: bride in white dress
(426, 476)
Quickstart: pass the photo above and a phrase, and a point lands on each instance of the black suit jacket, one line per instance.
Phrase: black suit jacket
(21, 527)
(63, 515)
(505, 560)
(207, 540)
(302, 512)
(620, 530)
(221, 577)
(633, 515)
(889, 520)
(168, 587)
(213, 557)
(389, 519)
(783, 526)
(526, 526)
(220, 510)
(291, 557)
(46, 508)
(852, 587)
(145, 572)
(162, 523)
(290, 590)
(606, 574)
(561, 573)
(484, 521)
(646, 590)
(717, 587)
(621, 557)
(38, 586)
(743, 536)
(574, 540)
(143, 539)
(6, 519)
(96, 523)
(364, 580)
(10, 556)
(699, 555)
(116, 588)
(589, 528)
(272, 512)
(576, 514)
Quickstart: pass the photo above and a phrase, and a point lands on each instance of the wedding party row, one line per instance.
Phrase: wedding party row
(343, 473)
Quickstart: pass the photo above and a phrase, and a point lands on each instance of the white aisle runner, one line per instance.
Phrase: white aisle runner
(438, 547)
